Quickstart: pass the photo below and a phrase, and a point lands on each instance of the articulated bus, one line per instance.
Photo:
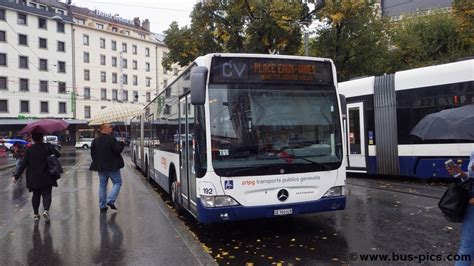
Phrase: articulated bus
(383, 110)
(244, 136)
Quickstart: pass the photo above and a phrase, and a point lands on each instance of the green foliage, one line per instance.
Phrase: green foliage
(354, 37)
(240, 26)
(429, 40)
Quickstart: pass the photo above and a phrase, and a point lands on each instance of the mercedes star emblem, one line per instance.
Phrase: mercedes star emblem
(282, 195)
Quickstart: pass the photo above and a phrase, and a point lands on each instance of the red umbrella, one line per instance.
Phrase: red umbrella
(45, 126)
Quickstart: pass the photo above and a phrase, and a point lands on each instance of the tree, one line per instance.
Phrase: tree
(429, 40)
(463, 12)
(241, 26)
(354, 37)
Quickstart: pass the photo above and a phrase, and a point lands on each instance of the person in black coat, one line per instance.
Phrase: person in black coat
(107, 161)
(38, 179)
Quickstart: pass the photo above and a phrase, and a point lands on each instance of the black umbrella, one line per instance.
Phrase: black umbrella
(452, 124)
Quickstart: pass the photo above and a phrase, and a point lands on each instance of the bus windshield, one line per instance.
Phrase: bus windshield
(262, 129)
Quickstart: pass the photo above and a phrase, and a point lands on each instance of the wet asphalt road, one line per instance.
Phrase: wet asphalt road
(381, 217)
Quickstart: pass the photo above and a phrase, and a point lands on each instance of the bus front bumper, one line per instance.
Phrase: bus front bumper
(239, 212)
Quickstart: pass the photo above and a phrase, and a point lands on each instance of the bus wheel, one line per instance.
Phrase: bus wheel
(174, 189)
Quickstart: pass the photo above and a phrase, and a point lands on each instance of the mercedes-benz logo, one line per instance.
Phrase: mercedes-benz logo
(282, 195)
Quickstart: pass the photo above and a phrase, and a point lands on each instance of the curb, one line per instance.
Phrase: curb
(4, 167)
(202, 257)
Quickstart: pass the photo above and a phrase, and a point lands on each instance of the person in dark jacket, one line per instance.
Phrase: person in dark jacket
(107, 161)
(38, 179)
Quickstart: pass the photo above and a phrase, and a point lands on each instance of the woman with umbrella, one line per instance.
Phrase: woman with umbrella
(38, 178)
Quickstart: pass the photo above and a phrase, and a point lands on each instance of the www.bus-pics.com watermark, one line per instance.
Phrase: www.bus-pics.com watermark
(400, 257)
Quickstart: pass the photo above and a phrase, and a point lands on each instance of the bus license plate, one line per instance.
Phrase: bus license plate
(282, 212)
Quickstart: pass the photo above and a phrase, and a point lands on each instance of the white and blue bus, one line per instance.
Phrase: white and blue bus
(243, 136)
(383, 110)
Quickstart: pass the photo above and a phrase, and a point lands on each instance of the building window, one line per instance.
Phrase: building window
(4, 106)
(102, 43)
(148, 97)
(124, 63)
(87, 75)
(43, 64)
(85, 39)
(147, 52)
(80, 21)
(3, 83)
(43, 7)
(135, 65)
(124, 79)
(114, 95)
(143, 36)
(135, 96)
(99, 26)
(135, 80)
(23, 62)
(148, 82)
(103, 76)
(114, 29)
(175, 71)
(3, 59)
(87, 111)
(60, 26)
(22, 39)
(165, 83)
(62, 107)
(43, 43)
(102, 60)
(61, 87)
(114, 46)
(124, 47)
(147, 67)
(165, 71)
(125, 96)
(24, 85)
(103, 94)
(2, 14)
(61, 47)
(44, 107)
(3, 36)
(22, 19)
(43, 86)
(134, 49)
(24, 106)
(86, 57)
(42, 23)
(60, 12)
(61, 67)
(114, 78)
(114, 61)
(87, 93)
(103, 107)
(127, 33)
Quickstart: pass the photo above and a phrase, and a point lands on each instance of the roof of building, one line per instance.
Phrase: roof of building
(44, 13)
(397, 7)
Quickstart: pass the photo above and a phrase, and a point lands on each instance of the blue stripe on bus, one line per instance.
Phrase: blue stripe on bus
(234, 213)
(420, 167)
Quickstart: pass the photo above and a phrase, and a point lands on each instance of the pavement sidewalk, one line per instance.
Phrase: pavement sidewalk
(143, 231)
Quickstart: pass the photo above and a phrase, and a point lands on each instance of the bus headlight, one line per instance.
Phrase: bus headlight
(217, 201)
(335, 192)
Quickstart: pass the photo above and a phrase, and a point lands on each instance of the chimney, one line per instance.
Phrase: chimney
(136, 22)
(146, 25)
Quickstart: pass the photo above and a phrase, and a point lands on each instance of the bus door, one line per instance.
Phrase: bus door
(151, 145)
(186, 131)
(355, 136)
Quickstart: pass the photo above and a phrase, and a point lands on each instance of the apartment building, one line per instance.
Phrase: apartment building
(35, 62)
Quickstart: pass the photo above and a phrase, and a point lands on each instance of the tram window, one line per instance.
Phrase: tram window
(354, 130)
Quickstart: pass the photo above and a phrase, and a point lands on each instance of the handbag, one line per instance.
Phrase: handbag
(454, 201)
(54, 165)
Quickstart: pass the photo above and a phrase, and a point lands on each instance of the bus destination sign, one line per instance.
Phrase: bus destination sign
(263, 70)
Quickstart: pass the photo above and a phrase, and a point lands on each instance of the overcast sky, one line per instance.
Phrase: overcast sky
(160, 12)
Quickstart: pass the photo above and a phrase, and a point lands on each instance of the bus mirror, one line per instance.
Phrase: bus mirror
(342, 99)
(198, 85)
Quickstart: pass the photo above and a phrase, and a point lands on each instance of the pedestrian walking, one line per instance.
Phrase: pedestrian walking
(38, 179)
(18, 153)
(107, 161)
(467, 234)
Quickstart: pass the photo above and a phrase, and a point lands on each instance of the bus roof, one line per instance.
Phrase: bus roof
(205, 59)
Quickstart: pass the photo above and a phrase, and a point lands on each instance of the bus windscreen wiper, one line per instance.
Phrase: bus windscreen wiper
(322, 165)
